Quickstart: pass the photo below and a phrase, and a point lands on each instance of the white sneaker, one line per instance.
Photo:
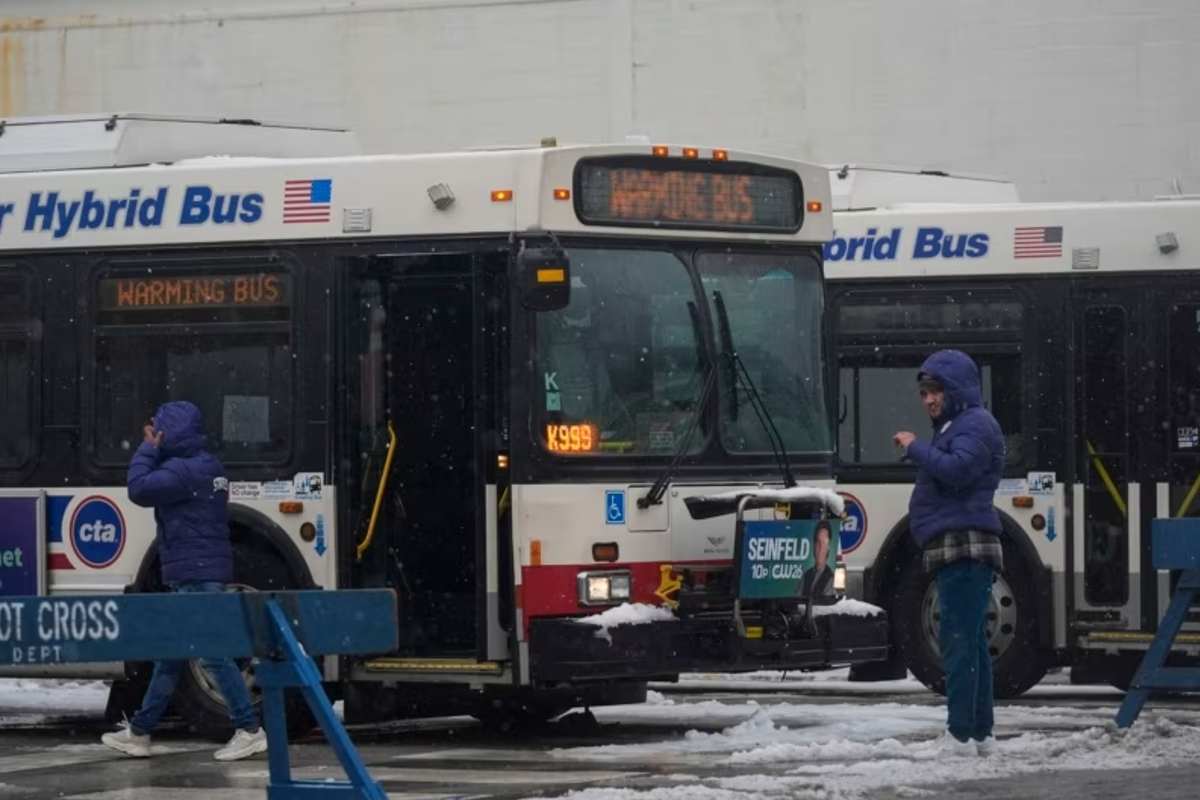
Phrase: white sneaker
(243, 744)
(127, 742)
(949, 746)
(986, 747)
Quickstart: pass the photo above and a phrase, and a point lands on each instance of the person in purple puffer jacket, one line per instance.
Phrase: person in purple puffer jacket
(953, 519)
(173, 473)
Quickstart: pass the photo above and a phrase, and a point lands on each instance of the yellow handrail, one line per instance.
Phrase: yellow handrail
(1108, 481)
(1191, 495)
(383, 479)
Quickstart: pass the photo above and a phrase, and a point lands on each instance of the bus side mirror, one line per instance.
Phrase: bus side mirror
(544, 275)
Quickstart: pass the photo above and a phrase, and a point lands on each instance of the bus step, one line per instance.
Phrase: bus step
(464, 666)
(1137, 637)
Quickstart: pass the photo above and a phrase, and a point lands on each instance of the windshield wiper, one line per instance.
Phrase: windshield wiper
(727, 350)
(654, 495)
(741, 375)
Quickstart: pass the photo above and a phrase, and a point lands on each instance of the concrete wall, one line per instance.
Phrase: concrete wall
(1074, 99)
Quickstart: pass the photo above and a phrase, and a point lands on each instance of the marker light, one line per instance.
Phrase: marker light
(814, 206)
(839, 578)
(535, 552)
(501, 195)
(562, 194)
(1022, 501)
(605, 551)
(502, 461)
(291, 507)
(720, 155)
(660, 150)
(552, 275)
(691, 152)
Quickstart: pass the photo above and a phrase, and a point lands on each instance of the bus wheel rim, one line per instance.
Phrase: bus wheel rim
(200, 675)
(1002, 617)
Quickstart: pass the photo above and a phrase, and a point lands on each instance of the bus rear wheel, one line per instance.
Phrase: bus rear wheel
(1017, 663)
(197, 699)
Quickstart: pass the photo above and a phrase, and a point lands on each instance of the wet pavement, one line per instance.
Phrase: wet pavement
(61, 758)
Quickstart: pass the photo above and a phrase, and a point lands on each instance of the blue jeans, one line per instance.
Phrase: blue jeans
(166, 678)
(964, 588)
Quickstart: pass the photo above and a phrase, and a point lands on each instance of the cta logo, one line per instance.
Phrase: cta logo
(97, 532)
(854, 526)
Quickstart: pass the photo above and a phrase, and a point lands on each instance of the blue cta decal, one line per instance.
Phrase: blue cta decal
(97, 532)
(614, 507)
(854, 526)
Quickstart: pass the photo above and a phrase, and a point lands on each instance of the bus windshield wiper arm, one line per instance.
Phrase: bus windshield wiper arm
(727, 351)
(739, 375)
(778, 449)
(654, 495)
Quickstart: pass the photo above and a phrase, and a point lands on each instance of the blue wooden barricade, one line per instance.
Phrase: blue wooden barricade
(1176, 545)
(280, 629)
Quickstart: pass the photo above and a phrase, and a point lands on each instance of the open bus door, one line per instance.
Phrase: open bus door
(1138, 451)
(423, 386)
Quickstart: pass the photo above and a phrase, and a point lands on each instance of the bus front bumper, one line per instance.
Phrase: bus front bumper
(568, 650)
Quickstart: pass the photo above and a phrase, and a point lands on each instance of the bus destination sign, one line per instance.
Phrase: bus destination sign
(193, 291)
(673, 194)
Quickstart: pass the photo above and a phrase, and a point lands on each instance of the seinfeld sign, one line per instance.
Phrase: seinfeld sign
(776, 556)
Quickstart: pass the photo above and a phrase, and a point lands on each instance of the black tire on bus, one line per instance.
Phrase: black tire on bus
(256, 567)
(1017, 660)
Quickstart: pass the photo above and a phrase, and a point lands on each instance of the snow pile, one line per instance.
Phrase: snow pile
(837, 751)
(627, 614)
(797, 494)
(34, 699)
(848, 607)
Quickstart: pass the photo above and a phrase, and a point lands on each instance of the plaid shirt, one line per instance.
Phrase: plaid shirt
(954, 546)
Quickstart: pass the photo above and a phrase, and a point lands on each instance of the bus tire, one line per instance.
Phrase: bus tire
(256, 567)
(1017, 662)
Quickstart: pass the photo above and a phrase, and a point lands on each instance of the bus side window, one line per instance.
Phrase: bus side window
(220, 339)
(882, 339)
(17, 362)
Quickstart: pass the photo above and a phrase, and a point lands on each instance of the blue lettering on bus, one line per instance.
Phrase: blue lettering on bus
(201, 204)
(60, 215)
(928, 242)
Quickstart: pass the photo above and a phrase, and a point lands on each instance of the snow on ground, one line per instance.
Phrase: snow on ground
(32, 700)
(847, 751)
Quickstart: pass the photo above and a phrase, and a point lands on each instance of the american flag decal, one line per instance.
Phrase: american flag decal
(1038, 242)
(307, 200)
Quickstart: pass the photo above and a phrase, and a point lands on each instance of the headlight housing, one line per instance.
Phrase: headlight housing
(607, 588)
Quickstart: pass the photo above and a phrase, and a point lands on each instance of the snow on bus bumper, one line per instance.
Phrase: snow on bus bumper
(571, 650)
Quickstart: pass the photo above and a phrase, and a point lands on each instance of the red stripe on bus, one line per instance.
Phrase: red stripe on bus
(58, 561)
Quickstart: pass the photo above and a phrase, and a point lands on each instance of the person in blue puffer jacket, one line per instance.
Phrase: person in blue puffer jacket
(173, 473)
(953, 519)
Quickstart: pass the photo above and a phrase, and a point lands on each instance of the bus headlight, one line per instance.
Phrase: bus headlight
(604, 588)
(839, 579)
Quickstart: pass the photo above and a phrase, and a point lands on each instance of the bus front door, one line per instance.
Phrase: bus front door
(414, 367)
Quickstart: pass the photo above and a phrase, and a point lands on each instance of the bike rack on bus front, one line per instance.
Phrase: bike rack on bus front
(774, 574)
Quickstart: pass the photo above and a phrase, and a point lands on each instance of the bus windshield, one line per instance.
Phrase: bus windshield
(773, 305)
(621, 369)
(620, 365)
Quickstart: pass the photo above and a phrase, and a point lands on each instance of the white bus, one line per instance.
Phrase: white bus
(1085, 321)
(489, 380)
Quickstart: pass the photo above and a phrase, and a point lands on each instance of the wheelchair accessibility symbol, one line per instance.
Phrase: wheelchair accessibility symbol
(614, 507)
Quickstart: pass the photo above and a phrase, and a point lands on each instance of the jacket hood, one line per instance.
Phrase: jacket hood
(959, 376)
(183, 428)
